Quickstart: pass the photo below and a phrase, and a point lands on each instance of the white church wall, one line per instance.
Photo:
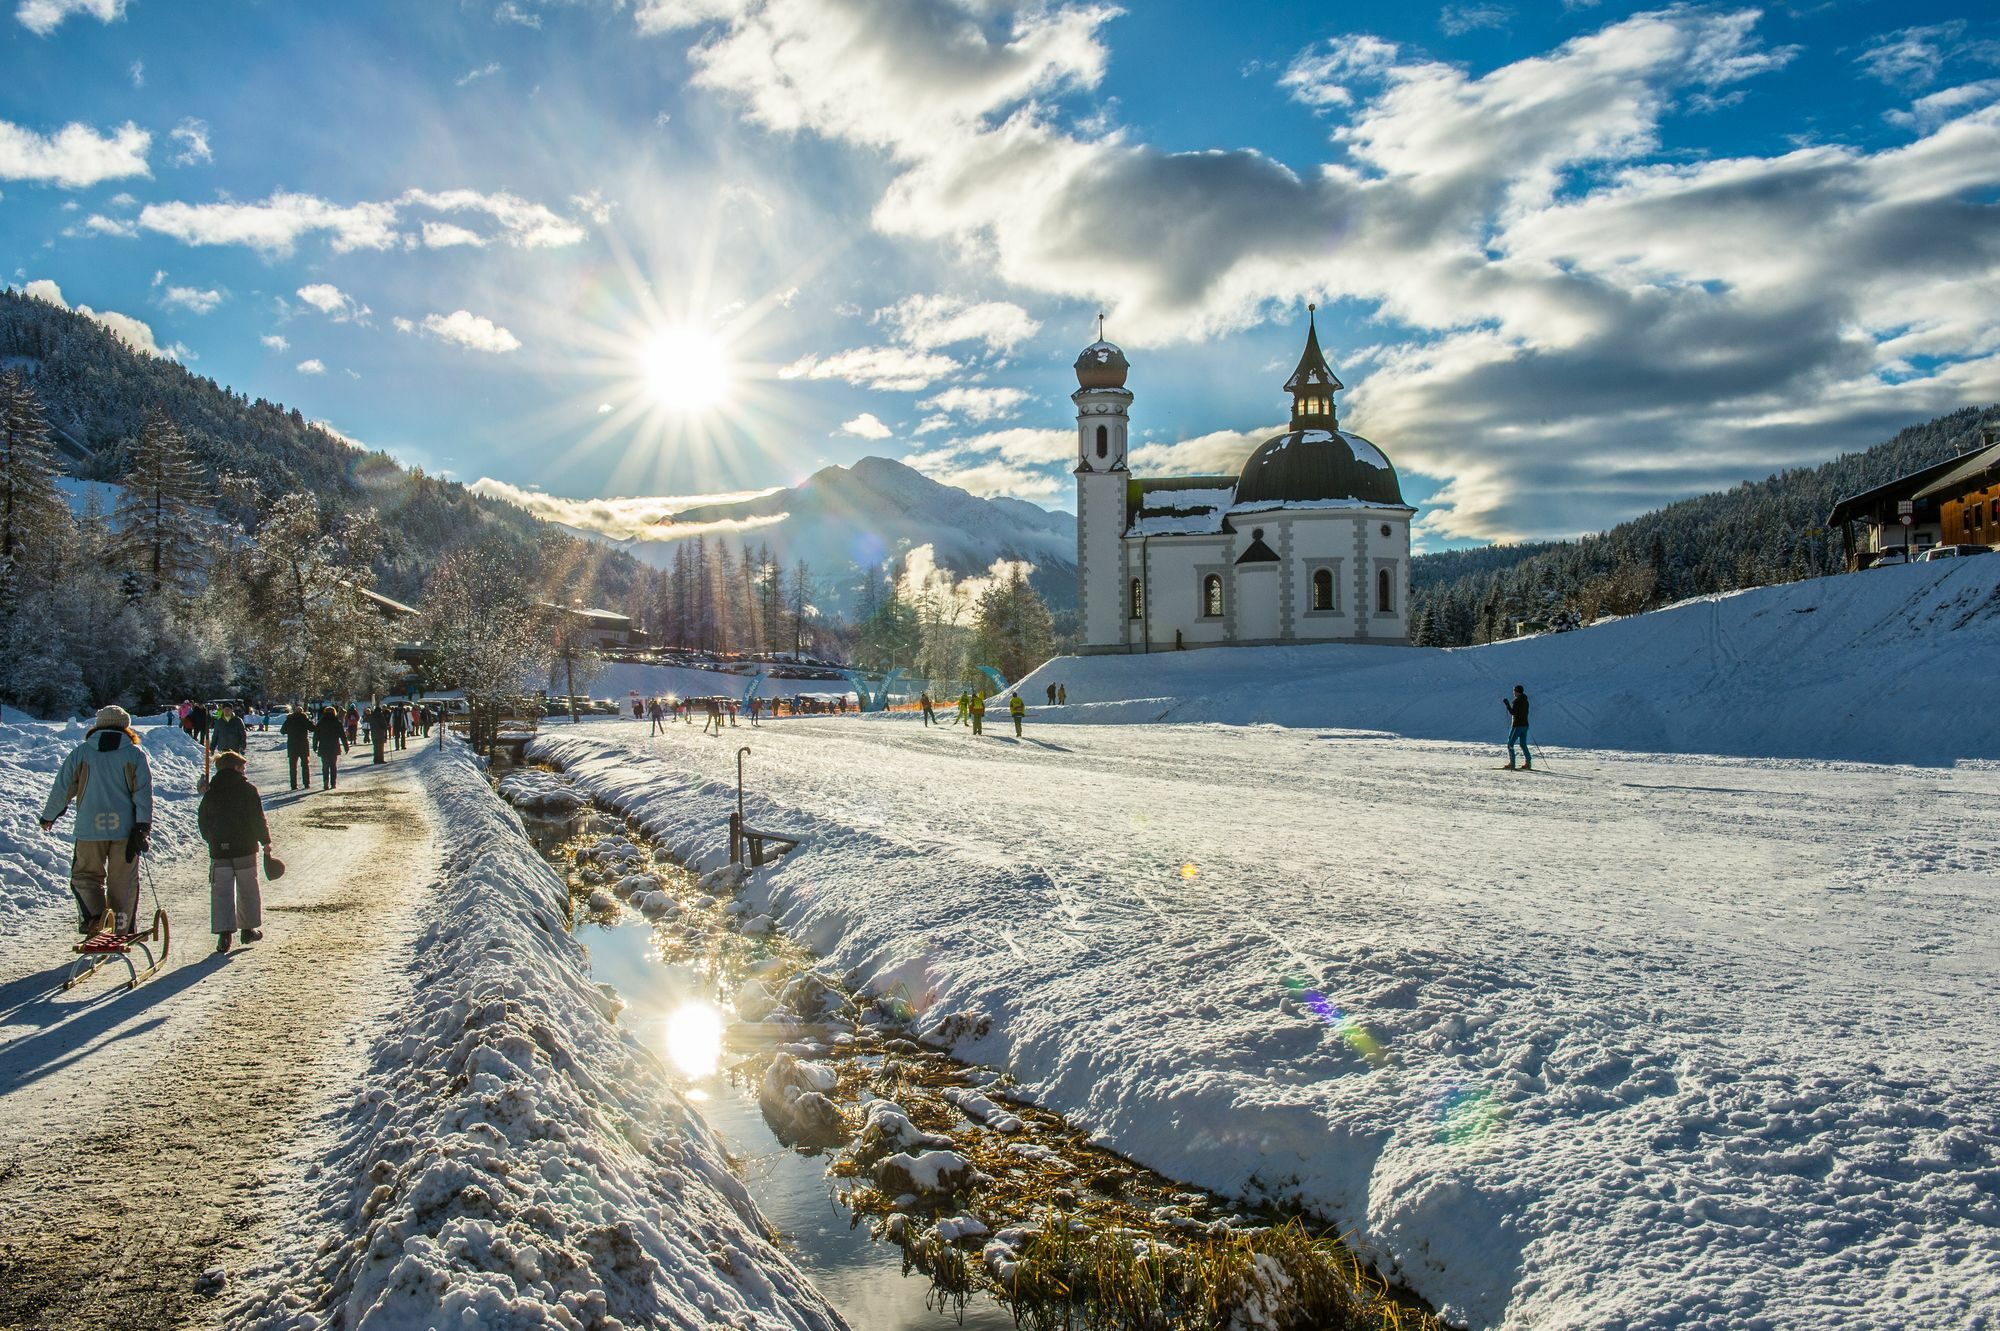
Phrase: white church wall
(1257, 602)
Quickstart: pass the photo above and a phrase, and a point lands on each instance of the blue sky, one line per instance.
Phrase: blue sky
(1573, 261)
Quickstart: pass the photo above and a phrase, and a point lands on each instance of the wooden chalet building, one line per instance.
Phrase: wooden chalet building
(1954, 502)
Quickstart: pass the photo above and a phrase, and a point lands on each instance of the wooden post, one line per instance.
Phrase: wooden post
(736, 838)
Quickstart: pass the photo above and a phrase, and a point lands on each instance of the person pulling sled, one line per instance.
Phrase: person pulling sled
(110, 782)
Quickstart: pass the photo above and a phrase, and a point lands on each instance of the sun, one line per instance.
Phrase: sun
(685, 369)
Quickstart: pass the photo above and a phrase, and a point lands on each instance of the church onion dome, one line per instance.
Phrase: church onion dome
(1316, 461)
(1101, 364)
(1312, 466)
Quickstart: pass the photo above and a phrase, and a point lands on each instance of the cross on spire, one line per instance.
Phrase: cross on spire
(1100, 325)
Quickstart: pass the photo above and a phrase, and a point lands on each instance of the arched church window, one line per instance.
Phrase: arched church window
(1211, 596)
(1103, 441)
(1323, 589)
(1138, 601)
(1382, 602)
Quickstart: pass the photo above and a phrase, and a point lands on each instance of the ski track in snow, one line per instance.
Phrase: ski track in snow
(1660, 1040)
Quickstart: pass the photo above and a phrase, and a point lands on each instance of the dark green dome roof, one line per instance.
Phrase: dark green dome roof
(1306, 465)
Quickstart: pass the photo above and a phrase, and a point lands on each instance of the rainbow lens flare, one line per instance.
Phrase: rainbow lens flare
(1465, 1114)
(1351, 1032)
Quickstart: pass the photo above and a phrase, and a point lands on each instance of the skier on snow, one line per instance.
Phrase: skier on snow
(930, 714)
(231, 818)
(1517, 733)
(109, 780)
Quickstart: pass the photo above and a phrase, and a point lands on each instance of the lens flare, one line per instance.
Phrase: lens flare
(693, 1038)
(1465, 1114)
(1190, 871)
(1351, 1032)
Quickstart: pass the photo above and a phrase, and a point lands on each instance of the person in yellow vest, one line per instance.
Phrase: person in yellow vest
(1016, 709)
(964, 709)
(978, 713)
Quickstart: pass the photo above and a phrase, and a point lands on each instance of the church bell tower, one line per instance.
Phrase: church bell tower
(1103, 418)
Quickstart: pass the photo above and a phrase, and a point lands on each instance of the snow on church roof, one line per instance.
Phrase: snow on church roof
(1180, 505)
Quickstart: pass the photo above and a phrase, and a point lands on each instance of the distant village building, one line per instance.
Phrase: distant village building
(1310, 542)
(1954, 502)
(606, 630)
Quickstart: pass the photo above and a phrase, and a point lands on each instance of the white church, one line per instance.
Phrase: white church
(1309, 543)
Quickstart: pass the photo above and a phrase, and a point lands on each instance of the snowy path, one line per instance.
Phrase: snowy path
(1638, 1041)
(142, 1134)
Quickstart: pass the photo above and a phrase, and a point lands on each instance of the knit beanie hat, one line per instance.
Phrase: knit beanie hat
(113, 717)
(230, 758)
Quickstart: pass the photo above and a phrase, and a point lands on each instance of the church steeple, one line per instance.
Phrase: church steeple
(1312, 384)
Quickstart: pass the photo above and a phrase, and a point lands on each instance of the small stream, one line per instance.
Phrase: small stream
(864, 1279)
(872, 1152)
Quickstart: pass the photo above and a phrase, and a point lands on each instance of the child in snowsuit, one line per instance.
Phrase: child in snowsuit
(231, 818)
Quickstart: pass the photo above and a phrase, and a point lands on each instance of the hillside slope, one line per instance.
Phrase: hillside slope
(844, 519)
(1891, 665)
(97, 392)
(1759, 533)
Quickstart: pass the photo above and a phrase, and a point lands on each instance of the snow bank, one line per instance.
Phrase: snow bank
(34, 865)
(1890, 665)
(1643, 1042)
(514, 1160)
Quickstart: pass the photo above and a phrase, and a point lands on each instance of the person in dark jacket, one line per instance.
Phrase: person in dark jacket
(329, 737)
(351, 729)
(228, 732)
(231, 819)
(1517, 731)
(399, 726)
(298, 732)
(378, 731)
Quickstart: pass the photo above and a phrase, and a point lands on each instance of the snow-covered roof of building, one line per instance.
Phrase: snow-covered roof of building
(1306, 465)
(1179, 505)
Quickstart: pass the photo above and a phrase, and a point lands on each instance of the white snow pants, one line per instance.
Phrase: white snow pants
(234, 899)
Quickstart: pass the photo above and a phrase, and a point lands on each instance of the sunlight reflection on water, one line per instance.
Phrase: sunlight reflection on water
(692, 1034)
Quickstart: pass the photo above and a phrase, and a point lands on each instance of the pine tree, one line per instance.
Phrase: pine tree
(799, 603)
(31, 508)
(1012, 630)
(160, 532)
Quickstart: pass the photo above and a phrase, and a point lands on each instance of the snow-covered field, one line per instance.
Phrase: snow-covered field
(657, 681)
(1891, 665)
(513, 1159)
(34, 865)
(1639, 1040)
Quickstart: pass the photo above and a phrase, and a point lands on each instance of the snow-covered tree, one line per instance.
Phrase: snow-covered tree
(31, 508)
(310, 632)
(160, 531)
(483, 632)
(1012, 630)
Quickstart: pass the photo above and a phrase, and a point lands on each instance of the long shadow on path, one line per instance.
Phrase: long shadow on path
(67, 1031)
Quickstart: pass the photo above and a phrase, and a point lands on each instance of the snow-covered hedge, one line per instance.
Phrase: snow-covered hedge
(34, 865)
(513, 1159)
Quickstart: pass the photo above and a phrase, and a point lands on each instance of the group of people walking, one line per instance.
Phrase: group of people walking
(972, 711)
(332, 734)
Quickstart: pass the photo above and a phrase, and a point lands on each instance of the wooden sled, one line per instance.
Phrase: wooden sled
(98, 951)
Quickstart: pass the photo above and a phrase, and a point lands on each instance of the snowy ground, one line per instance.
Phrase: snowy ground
(1635, 1041)
(1891, 665)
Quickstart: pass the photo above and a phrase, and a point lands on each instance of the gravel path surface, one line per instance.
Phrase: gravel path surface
(147, 1136)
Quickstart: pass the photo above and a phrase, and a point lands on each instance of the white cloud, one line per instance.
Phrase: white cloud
(466, 329)
(134, 333)
(1913, 57)
(334, 303)
(192, 299)
(313, 365)
(274, 226)
(1457, 20)
(275, 341)
(1218, 453)
(988, 477)
(101, 225)
(192, 136)
(137, 71)
(866, 426)
(43, 17)
(441, 235)
(976, 404)
(1934, 109)
(594, 206)
(932, 424)
(474, 75)
(669, 15)
(895, 369)
(928, 322)
(510, 12)
(621, 518)
(74, 156)
(528, 225)
(403, 325)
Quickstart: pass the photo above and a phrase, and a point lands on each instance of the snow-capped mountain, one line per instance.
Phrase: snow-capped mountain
(842, 519)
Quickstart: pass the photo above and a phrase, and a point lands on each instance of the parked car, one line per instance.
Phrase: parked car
(1888, 557)
(1952, 552)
